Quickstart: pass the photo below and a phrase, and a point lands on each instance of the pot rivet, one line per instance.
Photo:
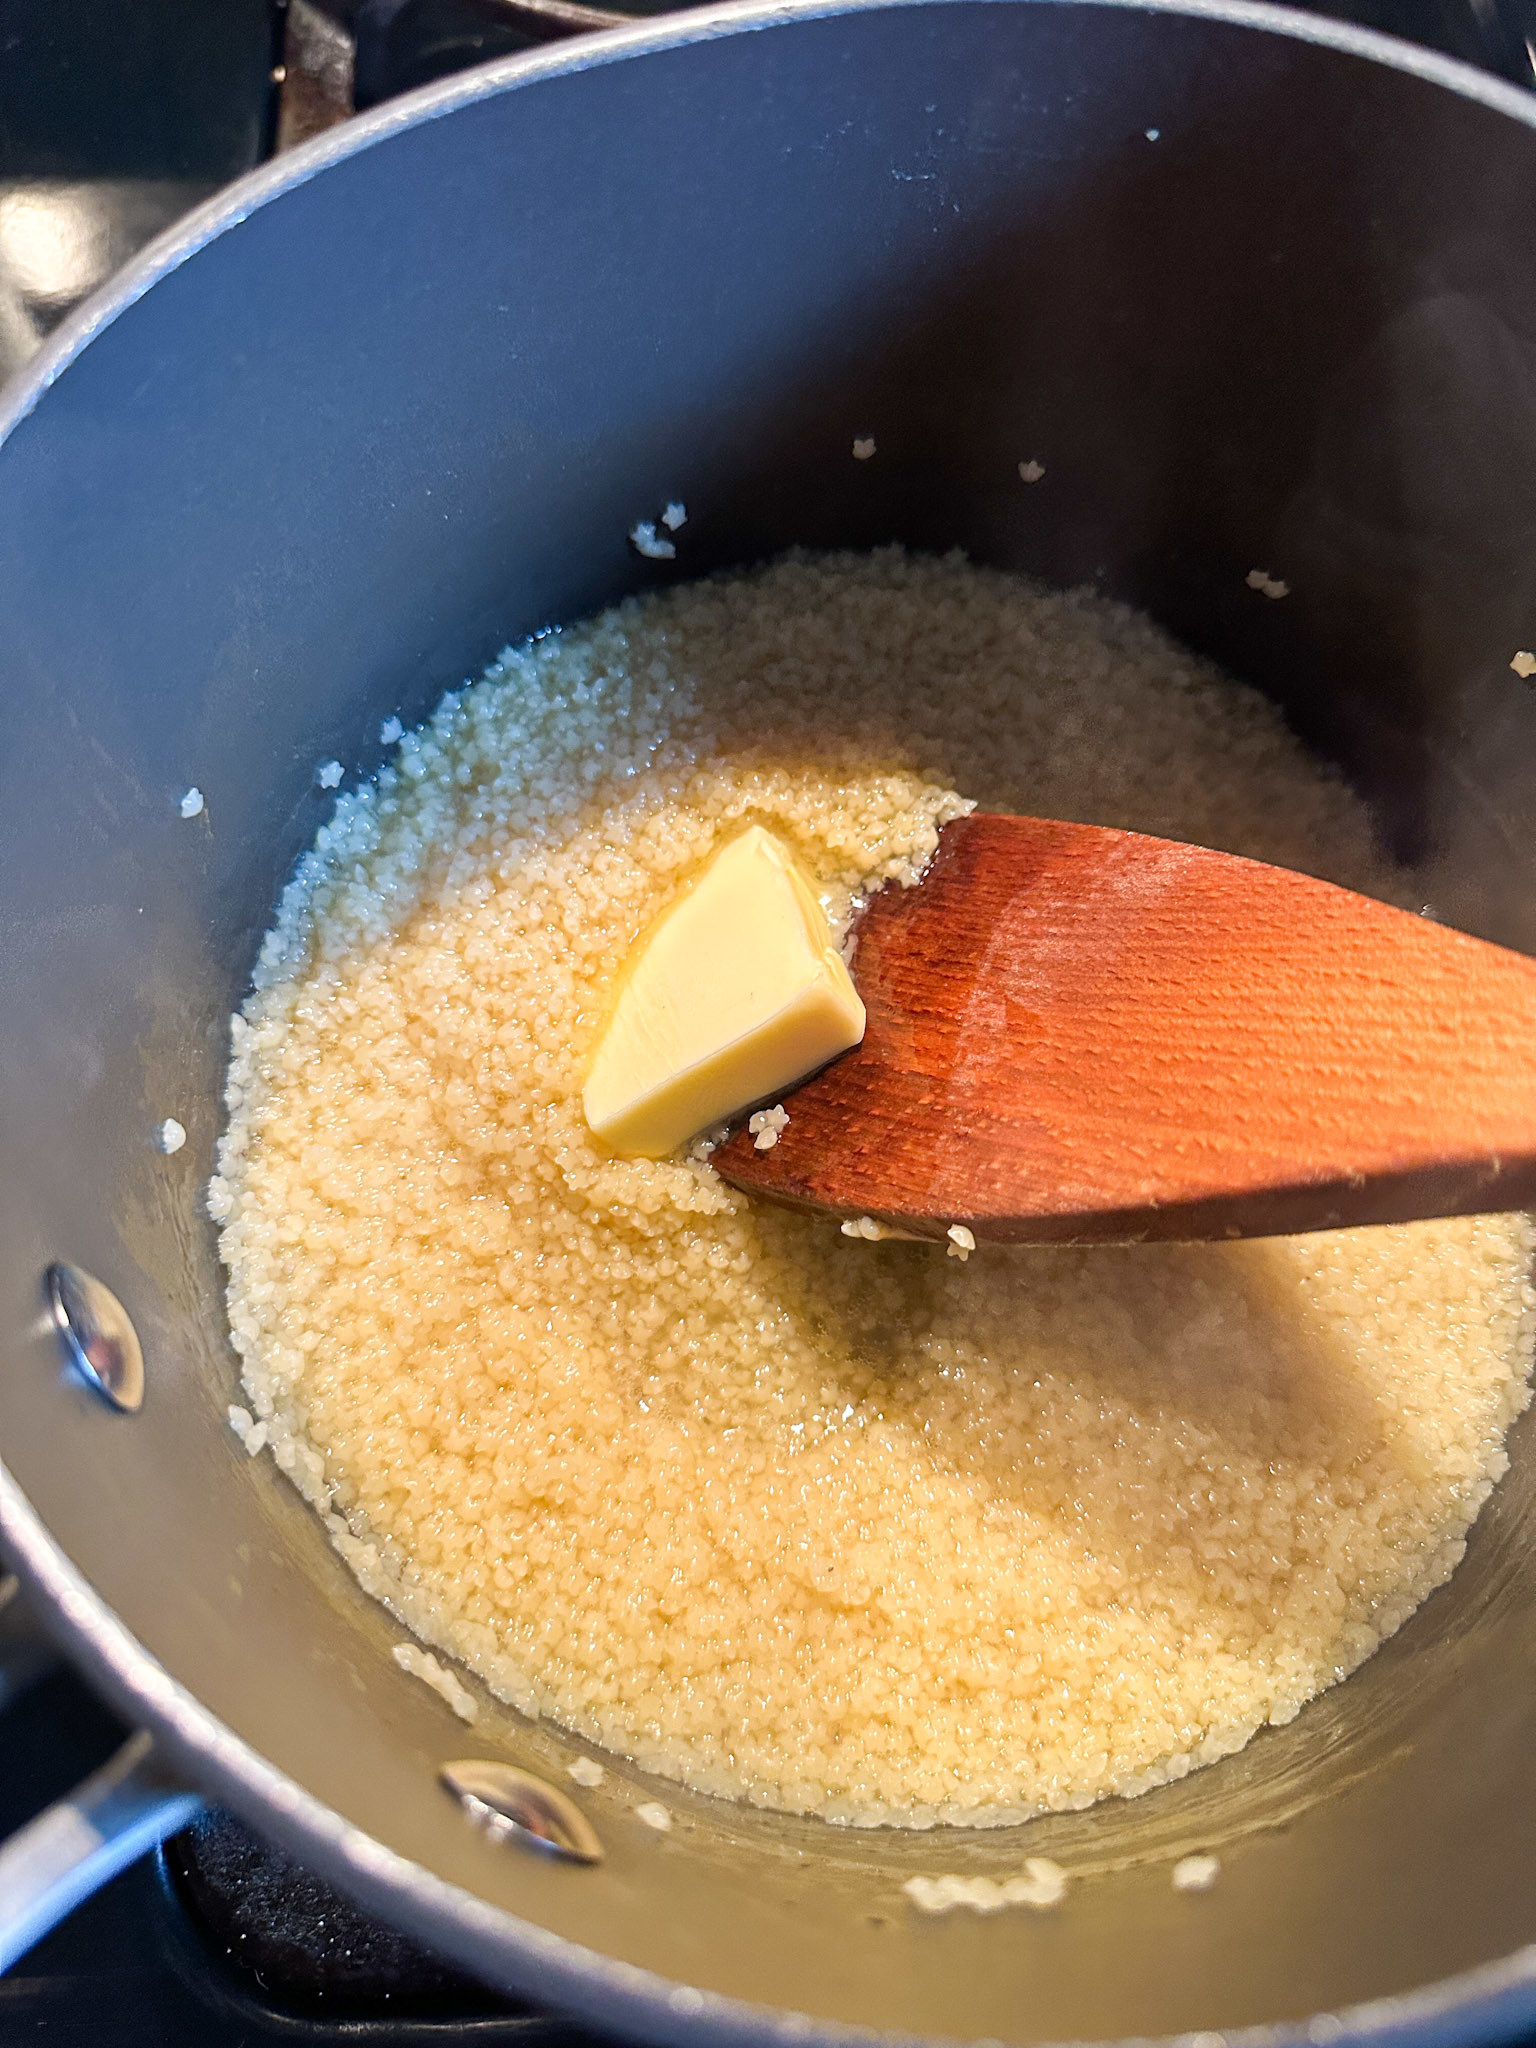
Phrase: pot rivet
(514, 1805)
(98, 1335)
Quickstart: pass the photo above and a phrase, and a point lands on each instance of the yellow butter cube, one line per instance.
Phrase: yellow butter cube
(736, 993)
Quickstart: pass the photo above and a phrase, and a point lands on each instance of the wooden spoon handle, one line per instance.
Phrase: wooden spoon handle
(1082, 1036)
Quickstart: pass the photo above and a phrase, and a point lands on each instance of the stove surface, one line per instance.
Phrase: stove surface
(113, 121)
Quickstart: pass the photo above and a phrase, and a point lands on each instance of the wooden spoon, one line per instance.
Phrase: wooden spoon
(1080, 1036)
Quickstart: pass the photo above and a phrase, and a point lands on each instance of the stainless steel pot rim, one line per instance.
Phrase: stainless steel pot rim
(1492, 2002)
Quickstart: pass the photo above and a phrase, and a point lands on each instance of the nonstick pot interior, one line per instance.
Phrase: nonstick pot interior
(1258, 294)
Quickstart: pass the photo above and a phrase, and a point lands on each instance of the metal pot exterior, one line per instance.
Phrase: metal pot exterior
(1260, 293)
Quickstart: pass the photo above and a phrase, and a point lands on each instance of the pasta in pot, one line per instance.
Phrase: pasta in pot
(832, 1525)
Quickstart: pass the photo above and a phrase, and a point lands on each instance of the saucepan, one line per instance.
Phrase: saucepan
(1261, 293)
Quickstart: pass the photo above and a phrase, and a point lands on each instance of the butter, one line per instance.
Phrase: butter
(737, 992)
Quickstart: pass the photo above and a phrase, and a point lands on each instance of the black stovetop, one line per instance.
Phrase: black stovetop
(115, 116)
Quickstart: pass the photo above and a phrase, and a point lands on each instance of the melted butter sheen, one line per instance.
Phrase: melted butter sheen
(830, 1525)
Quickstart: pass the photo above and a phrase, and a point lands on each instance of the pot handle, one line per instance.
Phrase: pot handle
(70, 1851)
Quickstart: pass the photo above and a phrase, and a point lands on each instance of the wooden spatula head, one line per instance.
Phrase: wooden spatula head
(1079, 1035)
